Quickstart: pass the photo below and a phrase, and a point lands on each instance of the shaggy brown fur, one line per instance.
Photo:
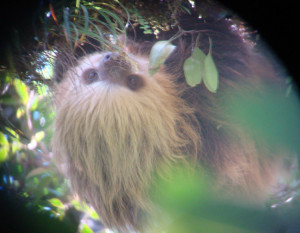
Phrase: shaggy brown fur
(116, 126)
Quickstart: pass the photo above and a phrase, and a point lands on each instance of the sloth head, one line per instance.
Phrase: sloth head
(115, 128)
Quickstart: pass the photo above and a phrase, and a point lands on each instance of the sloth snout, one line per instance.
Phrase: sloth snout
(110, 57)
(114, 66)
(113, 60)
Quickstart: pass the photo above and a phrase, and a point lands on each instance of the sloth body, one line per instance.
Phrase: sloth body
(116, 128)
(113, 129)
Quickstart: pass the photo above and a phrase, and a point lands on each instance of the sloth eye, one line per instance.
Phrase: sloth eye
(134, 82)
(91, 76)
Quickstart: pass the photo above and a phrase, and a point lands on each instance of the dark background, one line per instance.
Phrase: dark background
(278, 24)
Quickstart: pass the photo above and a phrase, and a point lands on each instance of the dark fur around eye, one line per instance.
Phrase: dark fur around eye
(134, 82)
(90, 76)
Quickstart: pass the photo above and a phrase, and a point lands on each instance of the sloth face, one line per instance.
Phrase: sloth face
(111, 68)
(108, 68)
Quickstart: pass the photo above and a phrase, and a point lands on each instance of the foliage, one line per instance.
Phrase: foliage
(197, 67)
(27, 168)
(79, 24)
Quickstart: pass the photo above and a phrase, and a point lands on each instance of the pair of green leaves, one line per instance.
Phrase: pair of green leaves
(200, 66)
(197, 67)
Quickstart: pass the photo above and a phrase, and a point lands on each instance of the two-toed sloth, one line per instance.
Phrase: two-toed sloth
(116, 126)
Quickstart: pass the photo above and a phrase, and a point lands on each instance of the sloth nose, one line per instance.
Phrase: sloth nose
(110, 56)
(114, 66)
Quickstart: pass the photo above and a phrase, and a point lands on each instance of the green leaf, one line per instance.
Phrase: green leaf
(39, 136)
(77, 3)
(34, 104)
(76, 33)
(158, 55)
(3, 140)
(15, 146)
(67, 26)
(94, 215)
(13, 132)
(21, 89)
(86, 229)
(194, 68)
(20, 112)
(86, 17)
(37, 171)
(114, 16)
(77, 205)
(100, 36)
(110, 26)
(192, 72)
(127, 13)
(4, 147)
(57, 203)
(198, 54)
(211, 76)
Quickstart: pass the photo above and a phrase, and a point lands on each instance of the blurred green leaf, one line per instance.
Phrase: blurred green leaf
(86, 229)
(34, 103)
(192, 224)
(39, 136)
(42, 90)
(110, 25)
(182, 186)
(67, 26)
(82, 206)
(46, 191)
(20, 112)
(14, 132)
(77, 205)
(94, 214)
(20, 168)
(91, 33)
(37, 171)
(35, 180)
(100, 36)
(15, 146)
(22, 91)
(86, 17)
(57, 203)
(104, 12)
(77, 3)
(114, 16)
(4, 147)
(194, 205)
(75, 29)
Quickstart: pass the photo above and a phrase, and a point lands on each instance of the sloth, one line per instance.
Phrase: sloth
(117, 129)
